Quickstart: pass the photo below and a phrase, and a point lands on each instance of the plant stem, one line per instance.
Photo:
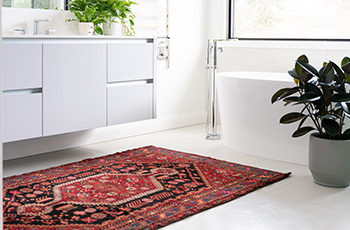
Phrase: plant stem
(313, 120)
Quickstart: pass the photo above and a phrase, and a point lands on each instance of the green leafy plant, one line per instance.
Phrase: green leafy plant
(87, 11)
(324, 95)
(118, 11)
(104, 11)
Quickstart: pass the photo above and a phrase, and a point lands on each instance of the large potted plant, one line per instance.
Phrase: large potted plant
(88, 15)
(325, 99)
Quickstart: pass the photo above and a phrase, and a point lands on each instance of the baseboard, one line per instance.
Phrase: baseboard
(31, 147)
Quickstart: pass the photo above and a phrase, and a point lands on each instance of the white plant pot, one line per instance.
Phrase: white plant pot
(86, 28)
(114, 29)
(329, 161)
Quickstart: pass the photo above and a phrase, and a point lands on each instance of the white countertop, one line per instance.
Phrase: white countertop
(28, 36)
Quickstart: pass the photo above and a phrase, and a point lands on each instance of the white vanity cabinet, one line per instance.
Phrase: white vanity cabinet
(21, 87)
(57, 85)
(74, 89)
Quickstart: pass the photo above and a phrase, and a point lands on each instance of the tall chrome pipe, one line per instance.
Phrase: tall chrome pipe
(211, 65)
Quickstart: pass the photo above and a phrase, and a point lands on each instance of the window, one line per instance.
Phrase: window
(289, 19)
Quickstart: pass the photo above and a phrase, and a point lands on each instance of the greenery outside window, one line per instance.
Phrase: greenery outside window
(290, 20)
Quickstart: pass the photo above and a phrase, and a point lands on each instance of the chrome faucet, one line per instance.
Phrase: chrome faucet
(36, 25)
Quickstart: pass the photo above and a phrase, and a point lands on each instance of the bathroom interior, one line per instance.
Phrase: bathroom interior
(174, 89)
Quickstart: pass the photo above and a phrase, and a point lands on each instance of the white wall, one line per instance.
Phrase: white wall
(24, 19)
(180, 89)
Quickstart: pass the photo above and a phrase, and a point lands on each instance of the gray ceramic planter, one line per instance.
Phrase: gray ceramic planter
(329, 161)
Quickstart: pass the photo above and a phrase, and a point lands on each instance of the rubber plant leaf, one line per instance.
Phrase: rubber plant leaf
(289, 92)
(309, 97)
(294, 74)
(346, 67)
(341, 97)
(338, 71)
(275, 97)
(309, 68)
(345, 64)
(291, 99)
(291, 117)
(346, 134)
(309, 87)
(325, 70)
(298, 68)
(331, 126)
(302, 131)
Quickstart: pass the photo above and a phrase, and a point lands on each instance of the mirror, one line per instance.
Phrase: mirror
(36, 4)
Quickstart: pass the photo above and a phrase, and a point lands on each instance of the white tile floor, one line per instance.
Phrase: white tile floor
(295, 203)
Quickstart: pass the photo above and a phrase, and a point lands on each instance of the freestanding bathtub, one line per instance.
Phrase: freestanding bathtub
(250, 123)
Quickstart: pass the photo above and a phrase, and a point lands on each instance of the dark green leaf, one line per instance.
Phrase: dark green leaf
(291, 118)
(275, 97)
(331, 126)
(298, 68)
(341, 97)
(289, 92)
(345, 60)
(346, 67)
(309, 68)
(329, 77)
(294, 74)
(326, 70)
(302, 131)
(347, 78)
(346, 134)
(291, 99)
(309, 97)
(339, 71)
(309, 87)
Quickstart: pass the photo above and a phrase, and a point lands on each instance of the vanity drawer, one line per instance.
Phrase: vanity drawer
(22, 66)
(21, 116)
(130, 61)
(128, 103)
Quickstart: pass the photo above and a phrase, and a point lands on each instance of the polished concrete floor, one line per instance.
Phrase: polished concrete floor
(296, 203)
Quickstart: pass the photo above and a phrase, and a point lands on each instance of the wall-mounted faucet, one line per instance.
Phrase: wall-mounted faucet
(36, 25)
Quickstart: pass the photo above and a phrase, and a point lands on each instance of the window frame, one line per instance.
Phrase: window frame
(230, 31)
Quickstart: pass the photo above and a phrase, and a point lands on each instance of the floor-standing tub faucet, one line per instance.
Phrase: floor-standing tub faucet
(36, 24)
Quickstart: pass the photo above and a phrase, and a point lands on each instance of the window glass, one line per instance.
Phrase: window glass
(306, 19)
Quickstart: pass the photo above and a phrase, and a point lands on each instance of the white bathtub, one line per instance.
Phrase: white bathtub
(250, 123)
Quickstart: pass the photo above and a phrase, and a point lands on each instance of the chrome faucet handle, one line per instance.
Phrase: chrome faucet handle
(20, 30)
(36, 24)
(50, 32)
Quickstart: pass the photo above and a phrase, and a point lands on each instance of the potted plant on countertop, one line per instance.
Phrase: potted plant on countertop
(104, 12)
(325, 99)
(117, 13)
(88, 15)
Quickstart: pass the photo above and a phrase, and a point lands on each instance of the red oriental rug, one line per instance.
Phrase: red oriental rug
(144, 188)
